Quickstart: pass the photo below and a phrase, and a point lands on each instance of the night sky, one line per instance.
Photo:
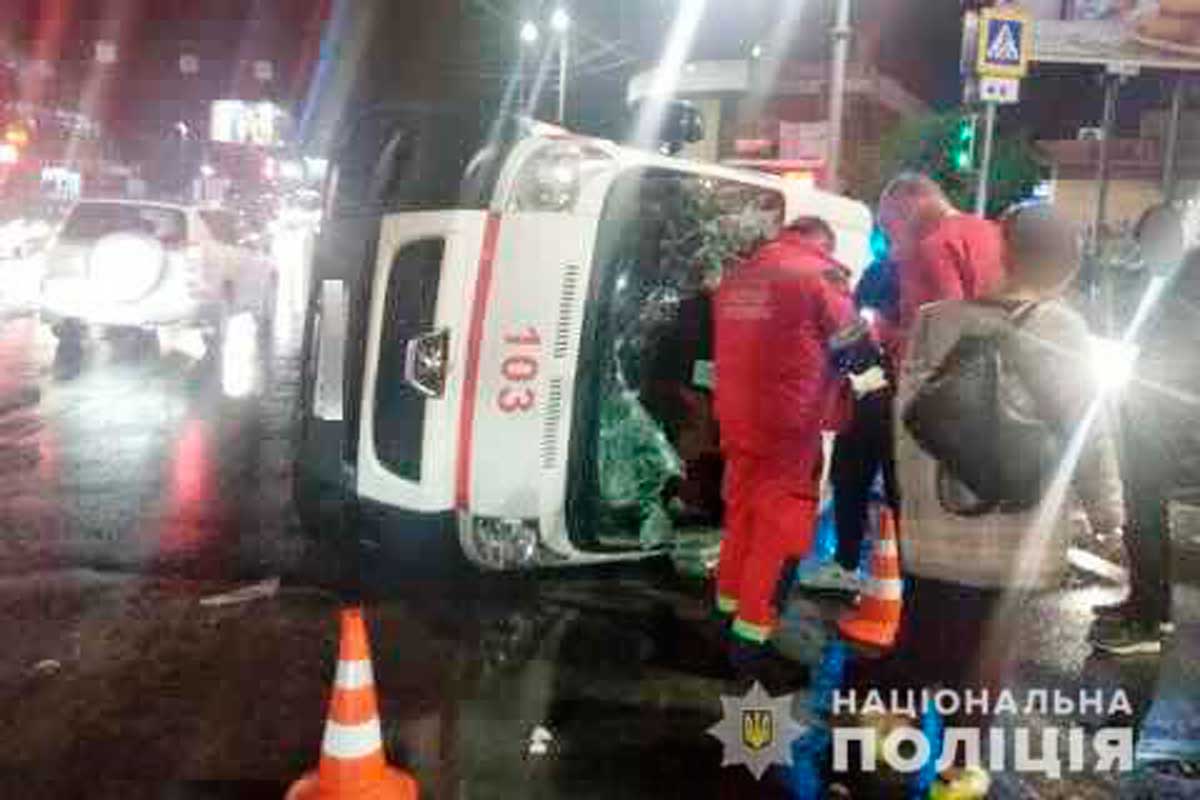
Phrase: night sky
(465, 50)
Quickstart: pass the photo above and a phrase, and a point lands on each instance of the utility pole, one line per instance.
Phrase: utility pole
(529, 38)
(1100, 272)
(560, 23)
(1171, 149)
(837, 91)
(985, 161)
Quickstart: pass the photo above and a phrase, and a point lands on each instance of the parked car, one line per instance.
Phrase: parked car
(145, 265)
(21, 240)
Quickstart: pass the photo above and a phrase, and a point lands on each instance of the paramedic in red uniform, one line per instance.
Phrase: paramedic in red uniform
(776, 391)
(943, 253)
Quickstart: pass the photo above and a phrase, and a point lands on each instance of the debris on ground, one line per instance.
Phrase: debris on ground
(246, 594)
(48, 666)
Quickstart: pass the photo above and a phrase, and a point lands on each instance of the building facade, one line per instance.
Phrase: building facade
(776, 116)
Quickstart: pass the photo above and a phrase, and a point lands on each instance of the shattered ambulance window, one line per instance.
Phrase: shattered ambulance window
(652, 450)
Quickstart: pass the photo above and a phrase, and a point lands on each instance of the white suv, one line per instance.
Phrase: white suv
(133, 264)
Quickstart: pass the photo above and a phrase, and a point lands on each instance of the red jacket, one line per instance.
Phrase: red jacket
(959, 259)
(776, 389)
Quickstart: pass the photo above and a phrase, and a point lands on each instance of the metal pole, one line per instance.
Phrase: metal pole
(1171, 145)
(521, 80)
(1112, 85)
(563, 54)
(985, 162)
(837, 91)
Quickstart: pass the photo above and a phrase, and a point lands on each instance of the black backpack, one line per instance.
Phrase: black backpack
(991, 457)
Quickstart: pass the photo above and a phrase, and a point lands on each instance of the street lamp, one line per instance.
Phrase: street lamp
(529, 37)
(560, 23)
(756, 52)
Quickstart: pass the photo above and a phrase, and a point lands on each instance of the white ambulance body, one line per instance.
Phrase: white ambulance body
(451, 383)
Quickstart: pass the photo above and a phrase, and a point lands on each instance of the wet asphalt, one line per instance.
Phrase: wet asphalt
(133, 487)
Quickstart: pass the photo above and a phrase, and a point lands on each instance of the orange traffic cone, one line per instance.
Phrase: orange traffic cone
(352, 763)
(876, 621)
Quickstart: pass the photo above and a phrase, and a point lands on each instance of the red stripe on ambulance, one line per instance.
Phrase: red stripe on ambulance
(466, 420)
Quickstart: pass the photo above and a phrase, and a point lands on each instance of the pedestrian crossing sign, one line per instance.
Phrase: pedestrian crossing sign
(1005, 38)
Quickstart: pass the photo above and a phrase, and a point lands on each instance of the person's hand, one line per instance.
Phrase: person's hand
(868, 382)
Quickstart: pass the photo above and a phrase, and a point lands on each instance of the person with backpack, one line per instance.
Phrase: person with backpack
(1003, 426)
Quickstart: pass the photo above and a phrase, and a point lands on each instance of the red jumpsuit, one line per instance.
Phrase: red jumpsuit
(776, 391)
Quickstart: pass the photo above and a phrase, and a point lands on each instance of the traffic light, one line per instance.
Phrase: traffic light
(962, 149)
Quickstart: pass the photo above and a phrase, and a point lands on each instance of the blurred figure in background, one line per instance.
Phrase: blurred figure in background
(1158, 311)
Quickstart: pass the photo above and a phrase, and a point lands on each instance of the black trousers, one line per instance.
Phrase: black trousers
(953, 637)
(860, 452)
(1157, 458)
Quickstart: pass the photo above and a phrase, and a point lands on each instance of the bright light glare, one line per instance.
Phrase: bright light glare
(207, 170)
(239, 355)
(560, 21)
(666, 76)
(756, 51)
(9, 153)
(126, 265)
(1112, 362)
(189, 342)
(529, 33)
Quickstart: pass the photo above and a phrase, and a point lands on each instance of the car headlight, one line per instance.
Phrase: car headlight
(551, 179)
(504, 543)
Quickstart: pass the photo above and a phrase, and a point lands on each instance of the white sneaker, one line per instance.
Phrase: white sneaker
(832, 577)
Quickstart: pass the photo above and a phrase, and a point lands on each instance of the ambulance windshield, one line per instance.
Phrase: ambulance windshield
(645, 453)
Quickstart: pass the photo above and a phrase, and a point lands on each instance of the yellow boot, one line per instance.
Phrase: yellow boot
(965, 783)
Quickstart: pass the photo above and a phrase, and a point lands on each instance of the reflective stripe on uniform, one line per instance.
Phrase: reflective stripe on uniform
(726, 604)
(354, 675)
(750, 632)
(352, 741)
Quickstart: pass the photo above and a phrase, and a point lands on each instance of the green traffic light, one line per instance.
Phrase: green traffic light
(963, 154)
